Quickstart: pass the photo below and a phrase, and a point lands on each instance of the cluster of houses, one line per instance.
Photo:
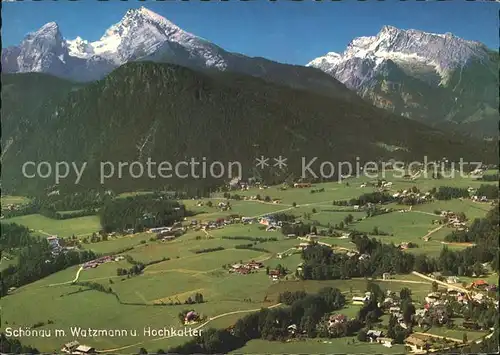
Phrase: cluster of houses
(275, 275)
(168, 233)
(104, 259)
(482, 285)
(307, 241)
(246, 268)
(406, 245)
(356, 254)
(474, 197)
(75, 347)
(452, 220)
(11, 207)
(55, 246)
(361, 300)
(479, 198)
(301, 185)
(419, 197)
(257, 198)
(238, 184)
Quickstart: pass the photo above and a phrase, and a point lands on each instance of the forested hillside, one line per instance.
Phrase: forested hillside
(167, 112)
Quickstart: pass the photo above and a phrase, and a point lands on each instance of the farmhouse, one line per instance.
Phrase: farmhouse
(452, 280)
(364, 257)
(292, 329)
(53, 242)
(394, 310)
(415, 344)
(387, 342)
(68, 348)
(373, 335)
(248, 220)
(480, 284)
(361, 300)
(160, 229)
(336, 319)
(433, 297)
(303, 246)
(84, 349)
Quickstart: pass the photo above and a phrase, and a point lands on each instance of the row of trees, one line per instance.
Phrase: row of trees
(488, 190)
(35, 261)
(448, 193)
(322, 263)
(140, 212)
(83, 203)
(15, 236)
(481, 230)
(372, 197)
(306, 311)
(51, 212)
(299, 229)
(14, 346)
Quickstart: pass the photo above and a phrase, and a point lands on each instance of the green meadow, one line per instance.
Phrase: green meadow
(178, 272)
(64, 228)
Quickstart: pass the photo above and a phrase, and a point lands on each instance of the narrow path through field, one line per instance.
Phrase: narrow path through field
(291, 208)
(423, 212)
(441, 282)
(432, 232)
(439, 336)
(197, 328)
(77, 276)
(404, 281)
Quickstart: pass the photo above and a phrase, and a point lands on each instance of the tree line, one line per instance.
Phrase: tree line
(140, 212)
(322, 263)
(14, 346)
(271, 324)
(35, 260)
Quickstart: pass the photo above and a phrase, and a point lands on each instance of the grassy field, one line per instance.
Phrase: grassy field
(63, 228)
(470, 208)
(7, 260)
(183, 272)
(13, 200)
(317, 346)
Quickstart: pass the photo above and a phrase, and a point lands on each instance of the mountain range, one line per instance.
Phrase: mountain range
(440, 79)
(143, 35)
(436, 78)
(148, 89)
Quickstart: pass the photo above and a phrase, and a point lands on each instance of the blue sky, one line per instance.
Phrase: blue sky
(286, 31)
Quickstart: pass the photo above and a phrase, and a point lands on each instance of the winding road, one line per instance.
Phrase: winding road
(197, 328)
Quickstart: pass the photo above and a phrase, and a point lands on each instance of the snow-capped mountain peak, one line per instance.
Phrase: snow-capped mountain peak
(50, 27)
(417, 74)
(79, 48)
(41, 50)
(138, 34)
(441, 52)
